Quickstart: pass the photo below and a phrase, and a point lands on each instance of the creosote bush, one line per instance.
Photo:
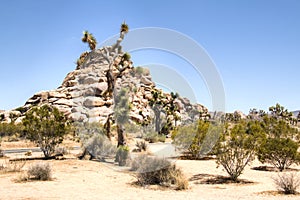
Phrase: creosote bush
(40, 171)
(158, 171)
(235, 151)
(100, 147)
(287, 182)
(46, 126)
(196, 140)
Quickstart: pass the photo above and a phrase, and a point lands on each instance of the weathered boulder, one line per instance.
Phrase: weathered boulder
(93, 102)
(65, 102)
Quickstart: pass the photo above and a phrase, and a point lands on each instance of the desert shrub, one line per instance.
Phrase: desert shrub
(158, 171)
(236, 150)
(139, 71)
(151, 137)
(12, 165)
(141, 146)
(197, 139)
(10, 129)
(162, 138)
(13, 138)
(40, 171)
(46, 126)
(122, 155)
(279, 147)
(99, 147)
(280, 152)
(287, 183)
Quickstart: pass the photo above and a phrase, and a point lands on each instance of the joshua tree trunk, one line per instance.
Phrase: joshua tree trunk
(157, 120)
(121, 135)
(107, 126)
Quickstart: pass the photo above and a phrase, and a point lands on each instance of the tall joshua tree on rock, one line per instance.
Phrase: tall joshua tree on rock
(111, 55)
(90, 39)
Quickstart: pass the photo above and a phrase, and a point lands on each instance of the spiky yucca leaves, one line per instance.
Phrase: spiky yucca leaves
(90, 39)
(124, 28)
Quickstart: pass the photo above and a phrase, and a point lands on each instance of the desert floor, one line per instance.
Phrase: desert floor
(84, 179)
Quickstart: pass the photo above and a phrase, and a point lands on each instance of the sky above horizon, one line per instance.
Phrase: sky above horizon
(255, 45)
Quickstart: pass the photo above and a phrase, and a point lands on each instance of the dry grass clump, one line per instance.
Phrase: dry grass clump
(12, 166)
(61, 151)
(99, 147)
(141, 146)
(287, 183)
(158, 171)
(40, 171)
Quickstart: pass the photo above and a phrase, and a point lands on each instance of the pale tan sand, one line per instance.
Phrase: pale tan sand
(75, 179)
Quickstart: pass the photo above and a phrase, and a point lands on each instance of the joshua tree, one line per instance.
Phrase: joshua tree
(121, 67)
(90, 39)
(279, 112)
(124, 28)
(157, 105)
(121, 110)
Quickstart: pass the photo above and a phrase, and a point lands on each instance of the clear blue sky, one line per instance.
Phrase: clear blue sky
(254, 44)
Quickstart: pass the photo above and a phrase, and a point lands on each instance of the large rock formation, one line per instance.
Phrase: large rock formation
(81, 94)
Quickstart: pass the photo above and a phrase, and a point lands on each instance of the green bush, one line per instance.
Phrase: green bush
(151, 137)
(198, 139)
(280, 152)
(11, 129)
(236, 150)
(162, 138)
(279, 147)
(46, 126)
(40, 171)
(158, 171)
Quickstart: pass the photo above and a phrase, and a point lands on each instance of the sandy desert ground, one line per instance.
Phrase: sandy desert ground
(84, 179)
